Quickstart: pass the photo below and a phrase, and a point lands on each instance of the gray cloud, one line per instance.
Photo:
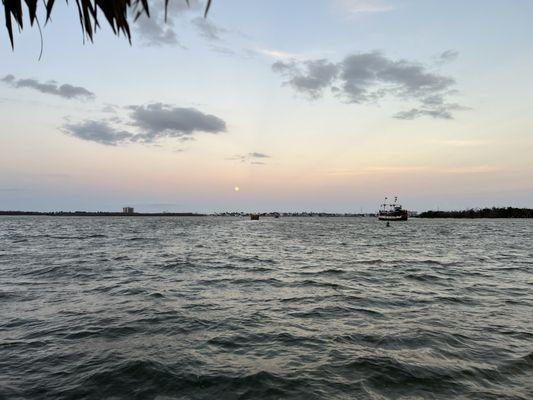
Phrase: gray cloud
(208, 29)
(447, 56)
(254, 158)
(109, 108)
(224, 51)
(415, 113)
(98, 131)
(440, 111)
(148, 123)
(310, 77)
(184, 139)
(153, 31)
(369, 77)
(8, 79)
(164, 120)
(258, 155)
(66, 90)
(158, 31)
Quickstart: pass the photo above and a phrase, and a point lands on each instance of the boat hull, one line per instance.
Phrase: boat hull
(393, 216)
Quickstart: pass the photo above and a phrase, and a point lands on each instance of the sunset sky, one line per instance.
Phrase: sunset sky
(325, 105)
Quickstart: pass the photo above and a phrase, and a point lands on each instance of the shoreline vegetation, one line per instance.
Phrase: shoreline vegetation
(494, 212)
(100, 214)
(181, 214)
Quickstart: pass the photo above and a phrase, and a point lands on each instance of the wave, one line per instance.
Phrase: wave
(160, 379)
(300, 308)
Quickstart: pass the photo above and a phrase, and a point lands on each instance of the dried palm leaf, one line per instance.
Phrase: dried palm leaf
(116, 12)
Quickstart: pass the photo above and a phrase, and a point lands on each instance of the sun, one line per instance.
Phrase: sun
(236, 188)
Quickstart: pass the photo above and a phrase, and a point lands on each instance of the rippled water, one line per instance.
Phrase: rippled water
(194, 308)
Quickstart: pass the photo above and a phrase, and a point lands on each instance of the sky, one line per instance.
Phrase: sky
(323, 105)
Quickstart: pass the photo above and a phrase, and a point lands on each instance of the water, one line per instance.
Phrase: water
(226, 308)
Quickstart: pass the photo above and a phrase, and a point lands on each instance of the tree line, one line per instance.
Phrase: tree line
(494, 212)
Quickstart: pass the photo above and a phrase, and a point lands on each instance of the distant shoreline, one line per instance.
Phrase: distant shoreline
(97, 214)
(174, 214)
(494, 212)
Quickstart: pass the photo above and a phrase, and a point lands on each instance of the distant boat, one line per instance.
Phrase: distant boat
(392, 211)
(254, 217)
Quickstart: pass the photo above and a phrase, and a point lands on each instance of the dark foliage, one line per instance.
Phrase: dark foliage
(502, 212)
(99, 214)
(116, 13)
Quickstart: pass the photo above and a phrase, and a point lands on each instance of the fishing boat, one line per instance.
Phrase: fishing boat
(392, 211)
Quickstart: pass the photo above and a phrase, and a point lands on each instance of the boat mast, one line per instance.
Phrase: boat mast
(385, 203)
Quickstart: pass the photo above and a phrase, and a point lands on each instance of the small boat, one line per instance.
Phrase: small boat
(392, 211)
(254, 217)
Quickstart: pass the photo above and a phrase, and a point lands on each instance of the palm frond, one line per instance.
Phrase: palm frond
(116, 13)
